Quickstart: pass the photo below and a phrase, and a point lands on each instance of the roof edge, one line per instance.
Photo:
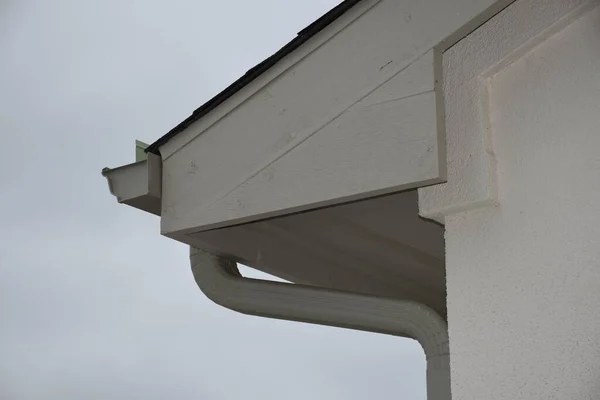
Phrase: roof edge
(253, 73)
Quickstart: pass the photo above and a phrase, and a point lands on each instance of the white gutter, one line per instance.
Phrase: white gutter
(221, 282)
(138, 184)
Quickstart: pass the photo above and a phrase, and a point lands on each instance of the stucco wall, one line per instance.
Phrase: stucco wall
(524, 276)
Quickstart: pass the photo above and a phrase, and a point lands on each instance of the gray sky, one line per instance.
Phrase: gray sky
(94, 303)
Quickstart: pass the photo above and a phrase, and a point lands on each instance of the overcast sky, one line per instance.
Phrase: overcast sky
(94, 303)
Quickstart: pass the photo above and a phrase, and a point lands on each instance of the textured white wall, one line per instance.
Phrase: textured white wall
(524, 276)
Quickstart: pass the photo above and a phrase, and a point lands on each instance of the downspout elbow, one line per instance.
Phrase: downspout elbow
(220, 280)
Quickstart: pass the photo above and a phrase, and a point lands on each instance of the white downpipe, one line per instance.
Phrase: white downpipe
(221, 282)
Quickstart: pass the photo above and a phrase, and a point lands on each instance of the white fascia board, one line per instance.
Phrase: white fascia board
(353, 113)
(426, 25)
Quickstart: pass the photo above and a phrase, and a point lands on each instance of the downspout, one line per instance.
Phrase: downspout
(221, 282)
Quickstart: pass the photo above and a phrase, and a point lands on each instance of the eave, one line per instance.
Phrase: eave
(309, 170)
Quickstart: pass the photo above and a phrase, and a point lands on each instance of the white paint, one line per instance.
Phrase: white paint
(523, 276)
(247, 92)
(426, 24)
(368, 151)
(299, 137)
(378, 247)
(276, 155)
(219, 280)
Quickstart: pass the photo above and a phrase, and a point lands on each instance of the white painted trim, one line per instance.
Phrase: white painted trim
(472, 12)
(220, 281)
(337, 127)
(183, 138)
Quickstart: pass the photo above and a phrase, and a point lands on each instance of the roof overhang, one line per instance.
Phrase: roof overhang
(355, 112)
(308, 170)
